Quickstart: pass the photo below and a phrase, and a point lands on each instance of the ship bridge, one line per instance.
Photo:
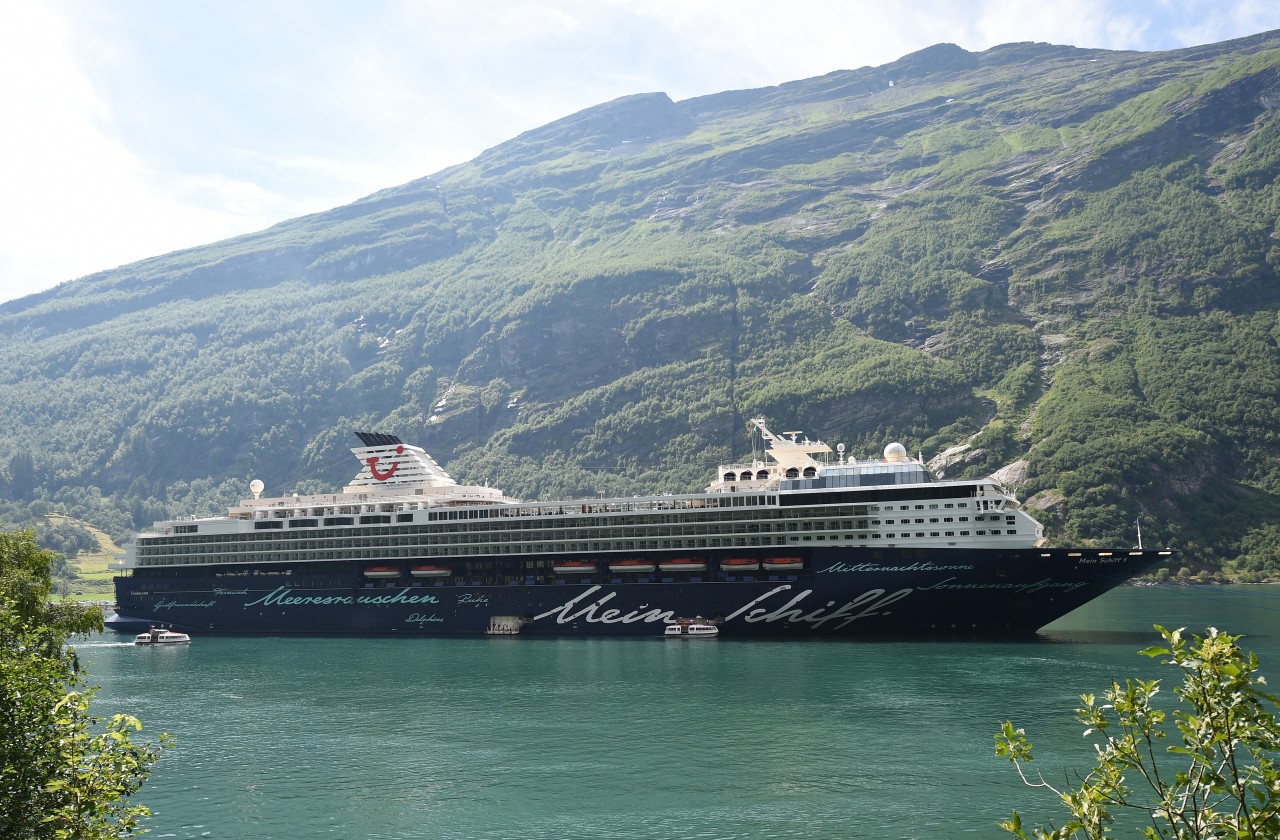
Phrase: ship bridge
(795, 466)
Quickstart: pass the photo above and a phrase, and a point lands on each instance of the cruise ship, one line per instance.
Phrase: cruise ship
(799, 542)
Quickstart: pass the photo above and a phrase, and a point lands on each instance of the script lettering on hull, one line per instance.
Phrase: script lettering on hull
(765, 607)
(925, 566)
(1037, 586)
(868, 604)
(283, 597)
(183, 605)
(594, 614)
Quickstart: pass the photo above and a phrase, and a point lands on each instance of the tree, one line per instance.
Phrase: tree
(1221, 780)
(63, 772)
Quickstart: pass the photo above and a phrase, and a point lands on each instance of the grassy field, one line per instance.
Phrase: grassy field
(93, 581)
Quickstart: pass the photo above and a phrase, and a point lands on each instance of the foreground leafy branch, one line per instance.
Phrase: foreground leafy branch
(63, 772)
(1220, 780)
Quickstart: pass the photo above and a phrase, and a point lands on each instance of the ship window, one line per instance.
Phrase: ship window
(746, 475)
(919, 533)
(875, 536)
(919, 507)
(933, 533)
(1011, 531)
(762, 475)
(729, 476)
(810, 472)
(951, 533)
(981, 533)
(947, 518)
(268, 524)
(964, 533)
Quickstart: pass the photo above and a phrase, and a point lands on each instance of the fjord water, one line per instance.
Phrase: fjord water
(588, 738)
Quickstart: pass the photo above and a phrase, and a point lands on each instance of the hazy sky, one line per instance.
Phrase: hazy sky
(132, 128)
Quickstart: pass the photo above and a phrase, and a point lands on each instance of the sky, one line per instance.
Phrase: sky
(132, 128)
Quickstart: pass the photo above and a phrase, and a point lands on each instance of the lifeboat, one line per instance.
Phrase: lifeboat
(783, 564)
(574, 567)
(431, 571)
(739, 564)
(682, 566)
(635, 567)
(382, 572)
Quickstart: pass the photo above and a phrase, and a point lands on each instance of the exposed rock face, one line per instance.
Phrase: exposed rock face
(1014, 475)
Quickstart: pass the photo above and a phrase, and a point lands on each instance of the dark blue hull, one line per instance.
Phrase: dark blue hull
(839, 592)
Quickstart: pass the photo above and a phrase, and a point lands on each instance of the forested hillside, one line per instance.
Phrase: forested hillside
(1057, 260)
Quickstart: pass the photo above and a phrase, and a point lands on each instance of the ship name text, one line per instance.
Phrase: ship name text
(284, 597)
(593, 613)
(869, 603)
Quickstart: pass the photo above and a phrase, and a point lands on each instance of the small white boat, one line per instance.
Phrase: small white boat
(158, 636)
(691, 628)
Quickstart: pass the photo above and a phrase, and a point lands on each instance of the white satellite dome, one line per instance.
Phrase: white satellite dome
(895, 452)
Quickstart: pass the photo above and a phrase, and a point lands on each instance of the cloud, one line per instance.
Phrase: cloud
(134, 128)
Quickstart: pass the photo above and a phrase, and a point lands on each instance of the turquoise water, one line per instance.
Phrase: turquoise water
(520, 738)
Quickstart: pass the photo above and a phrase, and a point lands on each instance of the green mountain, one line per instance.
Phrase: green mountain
(1056, 260)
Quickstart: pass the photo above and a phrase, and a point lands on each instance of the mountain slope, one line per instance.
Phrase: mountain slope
(1038, 254)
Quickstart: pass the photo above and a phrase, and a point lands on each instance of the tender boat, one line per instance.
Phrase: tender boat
(691, 628)
(159, 636)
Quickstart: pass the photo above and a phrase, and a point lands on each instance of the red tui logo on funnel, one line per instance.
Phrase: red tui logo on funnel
(383, 475)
